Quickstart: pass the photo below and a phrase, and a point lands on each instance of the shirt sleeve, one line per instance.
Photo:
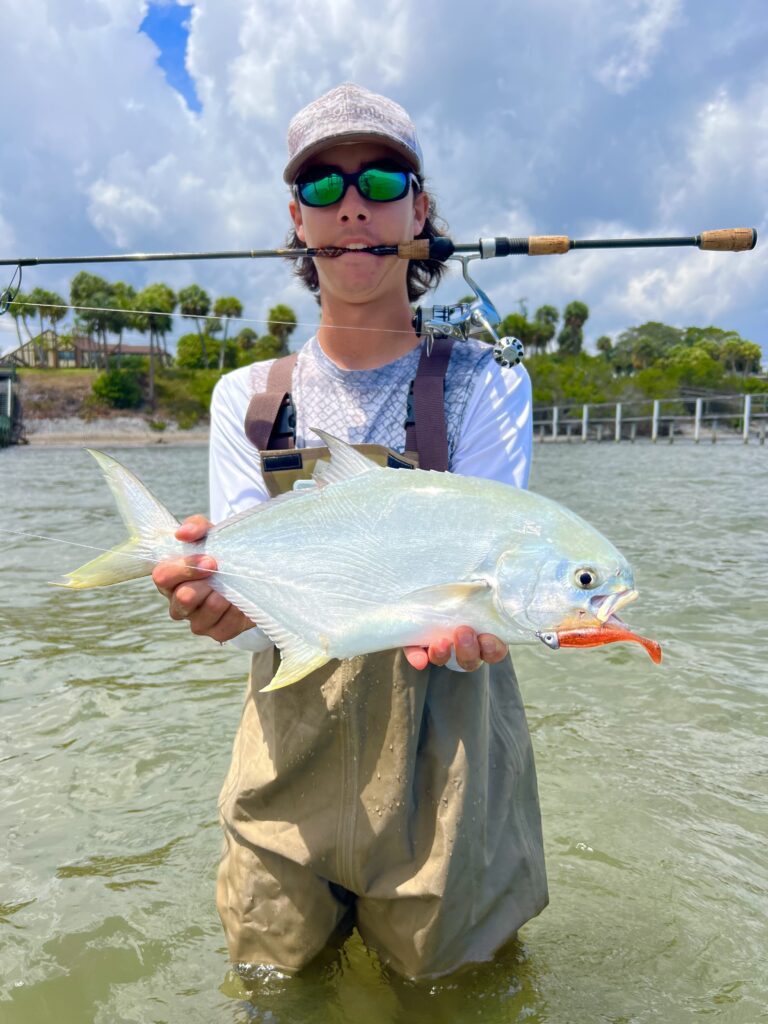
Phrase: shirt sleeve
(496, 434)
(234, 471)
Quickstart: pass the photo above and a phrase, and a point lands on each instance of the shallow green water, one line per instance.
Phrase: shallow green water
(116, 726)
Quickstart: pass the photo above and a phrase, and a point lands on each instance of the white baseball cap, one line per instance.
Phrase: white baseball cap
(350, 114)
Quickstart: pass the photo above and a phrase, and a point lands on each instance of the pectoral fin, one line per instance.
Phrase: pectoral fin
(449, 593)
(448, 597)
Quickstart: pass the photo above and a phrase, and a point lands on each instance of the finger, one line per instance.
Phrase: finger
(167, 575)
(231, 624)
(193, 528)
(467, 648)
(208, 613)
(440, 652)
(188, 597)
(416, 657)
(492, 649)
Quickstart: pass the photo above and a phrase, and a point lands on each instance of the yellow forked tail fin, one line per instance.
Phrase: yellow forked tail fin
(146, 519)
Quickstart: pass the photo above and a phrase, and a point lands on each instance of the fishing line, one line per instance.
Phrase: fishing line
(108, 551)
(210, 316)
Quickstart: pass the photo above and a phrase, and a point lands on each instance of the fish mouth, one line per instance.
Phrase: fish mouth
(605, 628)
(607, 605)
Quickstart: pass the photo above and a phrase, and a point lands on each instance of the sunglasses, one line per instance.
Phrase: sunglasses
(324, 186)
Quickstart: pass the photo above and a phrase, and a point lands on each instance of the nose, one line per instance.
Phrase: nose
(352, 207)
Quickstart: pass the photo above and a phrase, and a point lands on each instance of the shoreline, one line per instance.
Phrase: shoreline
(126, 431)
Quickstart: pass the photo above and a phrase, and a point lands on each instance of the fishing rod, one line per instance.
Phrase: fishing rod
(460, 320)
(440, 249)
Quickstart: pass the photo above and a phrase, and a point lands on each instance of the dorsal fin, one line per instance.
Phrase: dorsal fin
(346, 462)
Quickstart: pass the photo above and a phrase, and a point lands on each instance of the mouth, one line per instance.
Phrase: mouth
(608, 605)
(604, 628)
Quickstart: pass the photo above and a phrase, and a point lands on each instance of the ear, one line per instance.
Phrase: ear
(294, 209)
(420, 211)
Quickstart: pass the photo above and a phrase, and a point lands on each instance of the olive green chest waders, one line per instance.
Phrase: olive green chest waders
(373, 794)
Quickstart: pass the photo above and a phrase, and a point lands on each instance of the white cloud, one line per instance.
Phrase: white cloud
(637, 42)
(725, 155)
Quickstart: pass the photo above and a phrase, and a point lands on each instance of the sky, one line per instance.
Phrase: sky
(135, 126)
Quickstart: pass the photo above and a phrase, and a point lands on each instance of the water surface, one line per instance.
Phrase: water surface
(116, 727)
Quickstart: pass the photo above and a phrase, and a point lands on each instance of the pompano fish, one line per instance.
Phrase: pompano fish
(371, 559)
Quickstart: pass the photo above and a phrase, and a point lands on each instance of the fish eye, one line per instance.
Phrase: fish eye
(586, 578)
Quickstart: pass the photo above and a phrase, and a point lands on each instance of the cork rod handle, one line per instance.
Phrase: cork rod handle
(548, 245)
(729, 239)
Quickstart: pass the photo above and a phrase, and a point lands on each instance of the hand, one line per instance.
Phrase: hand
(472, 649)
(183, 582)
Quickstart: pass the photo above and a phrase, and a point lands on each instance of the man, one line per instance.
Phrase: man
(390, 792)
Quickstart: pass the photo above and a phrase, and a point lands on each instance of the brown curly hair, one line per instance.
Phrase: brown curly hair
(423, 275)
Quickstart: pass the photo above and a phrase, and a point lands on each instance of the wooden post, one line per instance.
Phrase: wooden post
(697, 421)
(617, 435)
(655, 421)
(747, 414)
(584, 422)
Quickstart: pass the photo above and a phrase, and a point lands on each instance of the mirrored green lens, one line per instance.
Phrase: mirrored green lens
(383, 186)
(323, 191)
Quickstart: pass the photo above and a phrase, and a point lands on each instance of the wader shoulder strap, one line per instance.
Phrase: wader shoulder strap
(270, 422)
(426, 431)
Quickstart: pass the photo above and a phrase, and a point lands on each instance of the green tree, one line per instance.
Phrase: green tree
(571, 337)
(544, 325)
(638, 348)
(195, 303)
(604, 346)
(124, 302)
(740, 356)
(516, 325)
(281, 325)
(21, 309)
(225, 308)
(49, 307)
(189, 352)
(694, 366)
(93, 295)
(156, 303)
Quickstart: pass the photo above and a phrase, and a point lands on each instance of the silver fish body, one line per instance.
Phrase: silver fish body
(372, 559)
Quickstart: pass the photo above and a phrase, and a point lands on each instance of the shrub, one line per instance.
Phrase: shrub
(120, 389)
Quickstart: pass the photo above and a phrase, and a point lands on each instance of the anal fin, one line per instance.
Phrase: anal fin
(297, 660)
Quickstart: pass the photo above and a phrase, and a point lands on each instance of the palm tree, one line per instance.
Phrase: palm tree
(571, 337)
(20, 309)
(195, 303)
(93, 296)
(156, 302)
(48, 306)
(123, 299)
(224, 308)
(281, 324)
(545, 319)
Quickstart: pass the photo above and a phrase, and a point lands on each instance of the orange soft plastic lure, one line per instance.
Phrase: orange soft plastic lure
(596, 636)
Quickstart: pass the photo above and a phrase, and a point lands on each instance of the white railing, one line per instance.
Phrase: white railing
(711, 418)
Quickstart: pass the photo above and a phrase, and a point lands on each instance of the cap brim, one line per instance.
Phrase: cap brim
(295, 165)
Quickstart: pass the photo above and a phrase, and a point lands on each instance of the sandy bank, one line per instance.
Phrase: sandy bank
(122, 430)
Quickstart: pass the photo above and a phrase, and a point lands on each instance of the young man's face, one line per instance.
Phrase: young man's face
(360, 277)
